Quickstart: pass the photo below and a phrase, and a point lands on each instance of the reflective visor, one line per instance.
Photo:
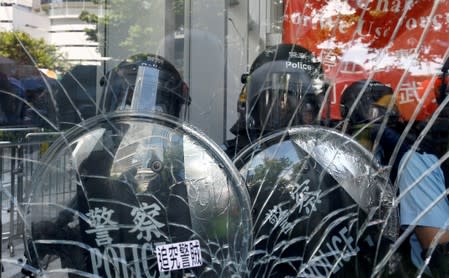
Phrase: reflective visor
(145, 89)
(278, 99)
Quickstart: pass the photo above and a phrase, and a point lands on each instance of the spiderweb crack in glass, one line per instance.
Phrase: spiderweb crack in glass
(312, 202)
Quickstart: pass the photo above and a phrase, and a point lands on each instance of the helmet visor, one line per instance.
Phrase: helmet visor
(144, 88)
(283, 99)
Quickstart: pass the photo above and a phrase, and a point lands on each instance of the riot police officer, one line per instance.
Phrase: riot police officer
(140, 84)
(283, 88)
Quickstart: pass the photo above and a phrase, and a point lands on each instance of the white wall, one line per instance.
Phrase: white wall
(67, 33)
(237, 39)
(81, 55)
(224, 42)
(23, 19)
(28, 3)
(63, 25)
(32, 23)
(248, 25)
(257, 25)
(71, 38)
(6, 16)
(206, 65)
(5, 27)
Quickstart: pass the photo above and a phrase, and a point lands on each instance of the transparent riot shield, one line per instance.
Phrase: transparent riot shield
(321, 206)
(136, 195)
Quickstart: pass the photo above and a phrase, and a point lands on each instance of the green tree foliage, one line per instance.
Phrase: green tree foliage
(269, 174)
(22, 48)
(130, 22)
(92, 34)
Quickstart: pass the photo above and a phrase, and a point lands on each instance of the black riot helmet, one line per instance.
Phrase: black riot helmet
(284, 86)
(368, 100)
(145, 83)
(443, 87)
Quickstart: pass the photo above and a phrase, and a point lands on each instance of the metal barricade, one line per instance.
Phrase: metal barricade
(11, 178)
(20, 152)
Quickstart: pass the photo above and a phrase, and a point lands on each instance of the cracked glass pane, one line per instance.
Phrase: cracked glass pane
(224, 138)
(320, 204)
(142, 195)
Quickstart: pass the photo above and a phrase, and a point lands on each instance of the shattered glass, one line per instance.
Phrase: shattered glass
(295, 178)
(251, 177)
(143, 195)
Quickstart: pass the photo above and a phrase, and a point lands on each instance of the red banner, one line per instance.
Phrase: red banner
(386, 39)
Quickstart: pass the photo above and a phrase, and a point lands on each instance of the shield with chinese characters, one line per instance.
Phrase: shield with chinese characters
(321, 206)
(137, 195)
